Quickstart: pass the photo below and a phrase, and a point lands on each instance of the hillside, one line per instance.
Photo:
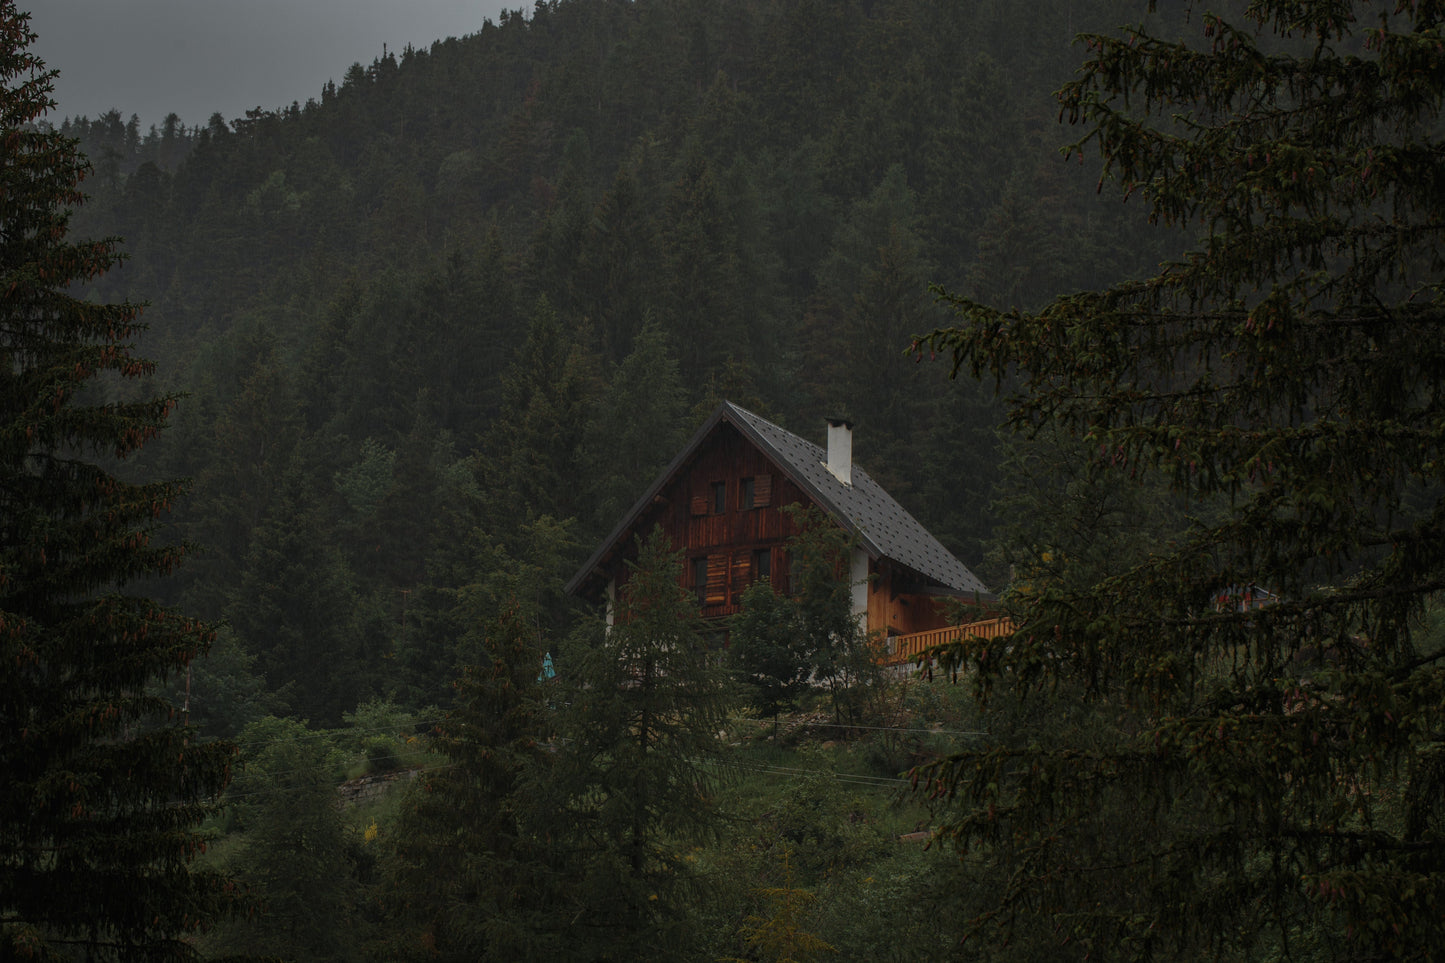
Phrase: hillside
(461, 307)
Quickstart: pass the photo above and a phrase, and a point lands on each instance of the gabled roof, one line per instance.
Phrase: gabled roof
(882, 527)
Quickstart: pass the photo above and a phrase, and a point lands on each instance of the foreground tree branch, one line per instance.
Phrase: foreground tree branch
(1280, 764)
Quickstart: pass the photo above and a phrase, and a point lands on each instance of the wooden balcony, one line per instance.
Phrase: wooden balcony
(903, 649)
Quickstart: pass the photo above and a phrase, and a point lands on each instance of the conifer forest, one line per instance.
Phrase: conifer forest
(308, 417)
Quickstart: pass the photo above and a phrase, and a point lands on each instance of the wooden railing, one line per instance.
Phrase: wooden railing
(902, 649)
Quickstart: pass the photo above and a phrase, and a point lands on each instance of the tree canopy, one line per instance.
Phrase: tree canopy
(102, 789)
(1281, 762)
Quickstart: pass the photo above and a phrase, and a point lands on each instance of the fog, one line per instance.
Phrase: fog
(197, 57)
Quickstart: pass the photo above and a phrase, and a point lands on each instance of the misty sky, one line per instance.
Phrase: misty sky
(196, 57)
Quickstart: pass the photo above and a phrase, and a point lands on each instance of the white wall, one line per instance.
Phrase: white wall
(858, 579)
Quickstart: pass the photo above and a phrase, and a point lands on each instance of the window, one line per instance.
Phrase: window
(794, 573)
(763, 565)
(745, 494)
(699, 579)
(719, 497)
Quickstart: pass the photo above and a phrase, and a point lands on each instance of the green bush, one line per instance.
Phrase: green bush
(825, 827)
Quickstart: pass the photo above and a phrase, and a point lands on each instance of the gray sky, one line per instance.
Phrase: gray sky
(196, 57)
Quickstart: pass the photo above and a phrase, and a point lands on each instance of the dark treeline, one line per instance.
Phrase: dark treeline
(116, 146)
(454, 314)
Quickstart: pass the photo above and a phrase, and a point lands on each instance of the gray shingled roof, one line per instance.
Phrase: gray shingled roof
(882, 526)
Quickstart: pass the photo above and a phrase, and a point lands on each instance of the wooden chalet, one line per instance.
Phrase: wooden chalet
(721, 501)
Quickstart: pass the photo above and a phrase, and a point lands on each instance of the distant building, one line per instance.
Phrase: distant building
(721, 502)
(1243, 598)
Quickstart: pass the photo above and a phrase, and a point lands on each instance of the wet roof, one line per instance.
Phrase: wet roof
(884, 529)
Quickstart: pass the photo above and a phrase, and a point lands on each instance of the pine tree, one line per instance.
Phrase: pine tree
(533, 453)
(101, 792)
(780, 644)
(768, 651)
(642, 414)
(293, 849)
(296, 608)
(638, 758)
(840, 654)
(873, 294)
(1271, 774)
(468, 878)
(782, 935)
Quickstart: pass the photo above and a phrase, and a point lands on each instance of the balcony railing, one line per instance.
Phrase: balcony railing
(902, 649)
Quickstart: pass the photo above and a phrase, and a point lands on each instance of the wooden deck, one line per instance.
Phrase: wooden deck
(903, 649)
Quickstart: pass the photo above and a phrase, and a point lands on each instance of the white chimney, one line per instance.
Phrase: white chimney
(840, 450)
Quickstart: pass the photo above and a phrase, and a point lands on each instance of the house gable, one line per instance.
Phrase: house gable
(722, 506)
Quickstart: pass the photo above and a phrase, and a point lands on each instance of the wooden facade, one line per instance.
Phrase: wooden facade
(724, 513)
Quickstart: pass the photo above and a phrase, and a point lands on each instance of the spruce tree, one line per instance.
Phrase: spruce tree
(291, 847)
(840, 653)
(468, 877)
(781, 643)
(1270, 783)
(101, 789)
(638, 759)
(768, 650)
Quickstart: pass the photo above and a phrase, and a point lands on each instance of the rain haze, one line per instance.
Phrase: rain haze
(198, 57)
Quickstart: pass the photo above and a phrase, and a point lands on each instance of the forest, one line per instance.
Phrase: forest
(428, 334)
(495, 285)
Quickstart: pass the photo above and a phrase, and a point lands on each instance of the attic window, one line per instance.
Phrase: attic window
(745, 494)
(719, 497)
